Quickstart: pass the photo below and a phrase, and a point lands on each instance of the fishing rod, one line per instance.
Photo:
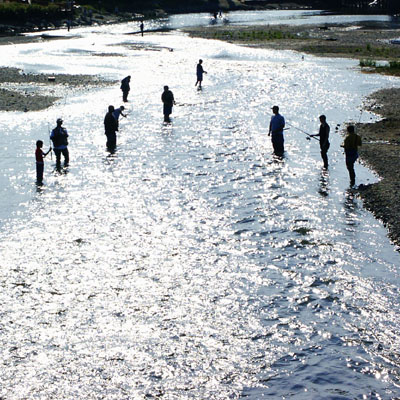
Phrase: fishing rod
(301, 130)
(51, 151)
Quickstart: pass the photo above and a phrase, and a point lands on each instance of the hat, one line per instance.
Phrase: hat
(59, 121)
(274, 107)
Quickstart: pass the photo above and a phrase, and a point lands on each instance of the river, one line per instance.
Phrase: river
(192, 263)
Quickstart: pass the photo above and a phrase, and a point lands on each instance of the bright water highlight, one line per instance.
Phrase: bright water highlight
(193, 264)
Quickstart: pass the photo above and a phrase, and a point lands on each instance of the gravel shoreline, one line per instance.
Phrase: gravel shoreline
(33, 92)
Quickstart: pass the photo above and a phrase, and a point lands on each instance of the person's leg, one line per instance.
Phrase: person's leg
(350, 168)
(57, 152)
(278, 144)
(65, 153)
(39, 172)
(324, 156)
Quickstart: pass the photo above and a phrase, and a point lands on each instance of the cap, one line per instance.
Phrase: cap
(274, 107)
(59, 121)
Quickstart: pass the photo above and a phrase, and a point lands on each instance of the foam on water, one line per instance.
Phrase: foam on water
(192, 264)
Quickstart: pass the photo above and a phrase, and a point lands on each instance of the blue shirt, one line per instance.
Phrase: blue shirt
(64, 134)
(117, 112)
(277, 124)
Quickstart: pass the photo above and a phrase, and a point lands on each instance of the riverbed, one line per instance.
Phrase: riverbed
(192, 263)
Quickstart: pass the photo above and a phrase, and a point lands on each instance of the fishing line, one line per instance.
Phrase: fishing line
(301, 130)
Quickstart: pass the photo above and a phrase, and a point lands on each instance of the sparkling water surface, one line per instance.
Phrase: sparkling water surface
(192, 264)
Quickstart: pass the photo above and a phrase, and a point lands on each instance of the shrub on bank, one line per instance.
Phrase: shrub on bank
(20, 13)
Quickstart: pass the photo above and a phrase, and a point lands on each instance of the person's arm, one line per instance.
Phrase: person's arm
(270, 128)
(45, 154)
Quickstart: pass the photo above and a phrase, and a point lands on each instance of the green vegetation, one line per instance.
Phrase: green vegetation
(253, 35)
(18, 12)
(391, 68)
(368, 63)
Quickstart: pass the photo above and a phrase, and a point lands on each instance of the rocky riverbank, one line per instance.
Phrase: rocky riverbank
(381, 152)
(32, 92)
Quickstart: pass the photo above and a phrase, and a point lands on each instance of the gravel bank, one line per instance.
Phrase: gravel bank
(32, 92)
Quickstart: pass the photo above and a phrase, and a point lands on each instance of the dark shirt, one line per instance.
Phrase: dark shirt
(323, 134)
(167, 98)
(351, 142)
(125, 84)
(110, 123)
(59, 136)
(200, 70)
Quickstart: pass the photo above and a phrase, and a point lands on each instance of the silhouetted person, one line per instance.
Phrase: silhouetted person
(125, 87)
(323, 134)
(141, 27)
(40, 155)
(59, 137)
(276, 131)
(351, 143)
(168, 100)
(199, 72)
(110, 128)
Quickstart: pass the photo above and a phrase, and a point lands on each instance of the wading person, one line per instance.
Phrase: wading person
(199, 72)
(59, 137)
(40, 155)
(323, 134)
(125, 87)
(276, 131)
(110, 129)
(351, 143)
(168, 101)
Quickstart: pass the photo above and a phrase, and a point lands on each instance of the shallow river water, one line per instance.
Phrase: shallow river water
(192, 264)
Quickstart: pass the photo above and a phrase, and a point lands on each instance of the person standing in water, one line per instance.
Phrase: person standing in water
(110, 128)
(323, 134)
(351, 143)
(40, 155)
(168, 100)
(199, 72)
(125, 87)
(276, 131)
(141, 27)
(59, 137)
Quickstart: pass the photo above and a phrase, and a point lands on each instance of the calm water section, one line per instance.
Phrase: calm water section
(192, 264)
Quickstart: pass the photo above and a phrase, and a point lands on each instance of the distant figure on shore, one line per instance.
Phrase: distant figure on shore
(323, 134)
(351, 143)
(110, 129)
(199, 72)
(215, 15)
(59, 137)
(125, 87)
(276, 131)
(168, 100)
(40, 155)
(141, 27)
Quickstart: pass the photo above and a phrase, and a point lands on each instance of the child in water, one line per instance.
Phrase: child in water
(39, 161)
